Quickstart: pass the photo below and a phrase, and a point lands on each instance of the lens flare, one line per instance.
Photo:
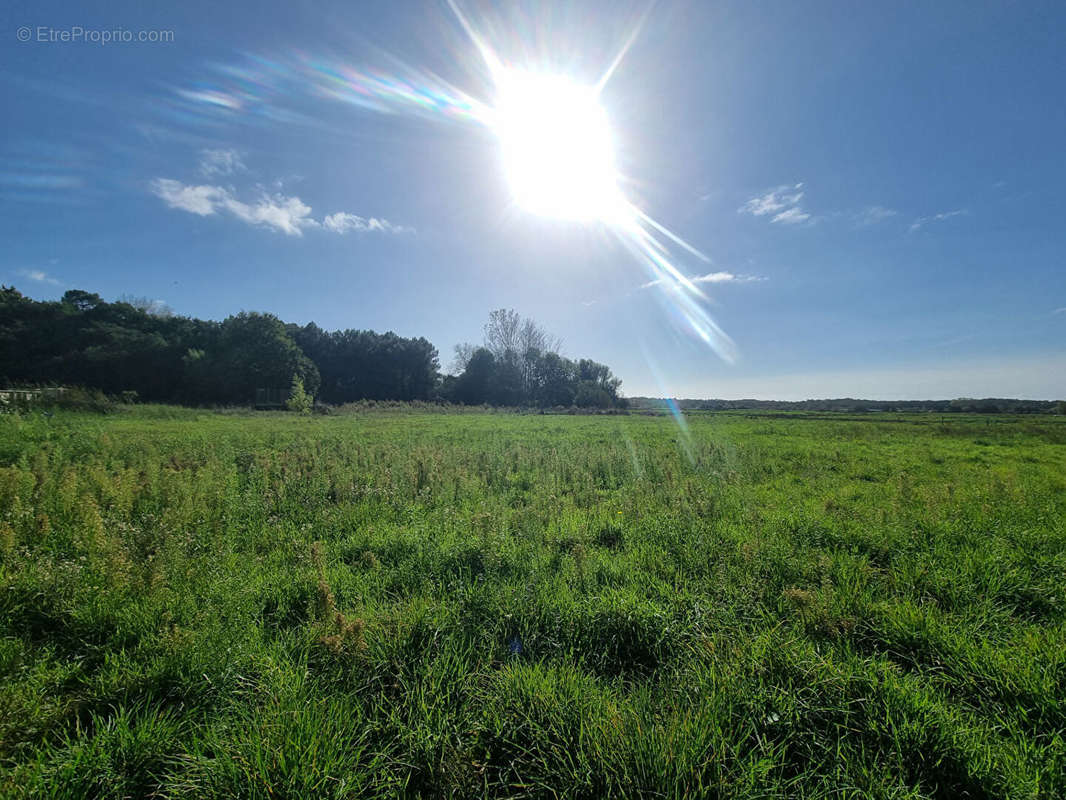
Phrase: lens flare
(559, 155)
(555, 138)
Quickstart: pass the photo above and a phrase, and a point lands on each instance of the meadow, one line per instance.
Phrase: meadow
(406, 603)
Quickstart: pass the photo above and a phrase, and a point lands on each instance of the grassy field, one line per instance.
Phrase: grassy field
(417, 604)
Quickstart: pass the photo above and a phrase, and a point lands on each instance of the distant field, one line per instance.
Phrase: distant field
(386, 603)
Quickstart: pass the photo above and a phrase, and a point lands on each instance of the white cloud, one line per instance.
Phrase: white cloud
(943, 215)
(783, 203)
(287, 214)
(343, 222)
(214, 163)
(792, 216)
(212, 97)
(1059, 310)
(774, 200)
(874, 214)
(711, 277)
(202, 200)
(39, 275)
(726, 277)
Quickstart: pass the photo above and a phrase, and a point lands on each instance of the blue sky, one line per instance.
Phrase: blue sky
(878, 188)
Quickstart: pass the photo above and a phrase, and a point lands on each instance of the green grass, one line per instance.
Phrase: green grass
(417, 604)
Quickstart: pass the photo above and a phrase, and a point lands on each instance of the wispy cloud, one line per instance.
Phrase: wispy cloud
(874, 214)
(1059, 310)
(792, 216)
(278, 212)
(713, 277)
(44, 171)
(943, 215)
(726, 277)
(343, 222)
(219, 163)
(781, 205)
(40, 276)
(289, 215)
(202, 200)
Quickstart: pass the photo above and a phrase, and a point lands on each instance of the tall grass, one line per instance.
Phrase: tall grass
(375, 604)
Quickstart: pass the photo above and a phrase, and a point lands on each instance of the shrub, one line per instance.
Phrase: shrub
(299, 400)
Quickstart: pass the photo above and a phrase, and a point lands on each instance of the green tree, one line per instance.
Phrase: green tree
(257, 352)
(81, 300)
(555, 381)
(474, 386)
(519, 365)
(299, 400)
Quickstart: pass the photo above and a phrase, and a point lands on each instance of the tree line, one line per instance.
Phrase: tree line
(518, 364)
(967, 405)
(137, 345)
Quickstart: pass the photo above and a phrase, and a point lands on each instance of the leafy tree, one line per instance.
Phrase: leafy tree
(256, 351)
(519, 364)
(200, 376)
(298, 400)
(156, 308)
(474, 386)
(555, 381)
(358, 365)
(80, 300)
(590, 395)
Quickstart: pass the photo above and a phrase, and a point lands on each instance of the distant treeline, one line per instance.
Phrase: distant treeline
(519, 364)
(136, 345)
(958, 405)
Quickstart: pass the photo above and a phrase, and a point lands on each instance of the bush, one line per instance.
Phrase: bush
(299, 400)
(79, 399)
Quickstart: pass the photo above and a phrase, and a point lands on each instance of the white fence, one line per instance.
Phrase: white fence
(9, 396)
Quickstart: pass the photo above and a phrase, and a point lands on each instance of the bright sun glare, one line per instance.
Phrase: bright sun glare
(558, 151)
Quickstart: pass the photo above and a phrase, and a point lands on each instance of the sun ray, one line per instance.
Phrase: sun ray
(559, 156)
(555, 139)
(487, 55)
(672, 236)
(632, 37)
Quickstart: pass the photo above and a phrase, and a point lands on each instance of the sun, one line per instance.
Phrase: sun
(557, 147)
